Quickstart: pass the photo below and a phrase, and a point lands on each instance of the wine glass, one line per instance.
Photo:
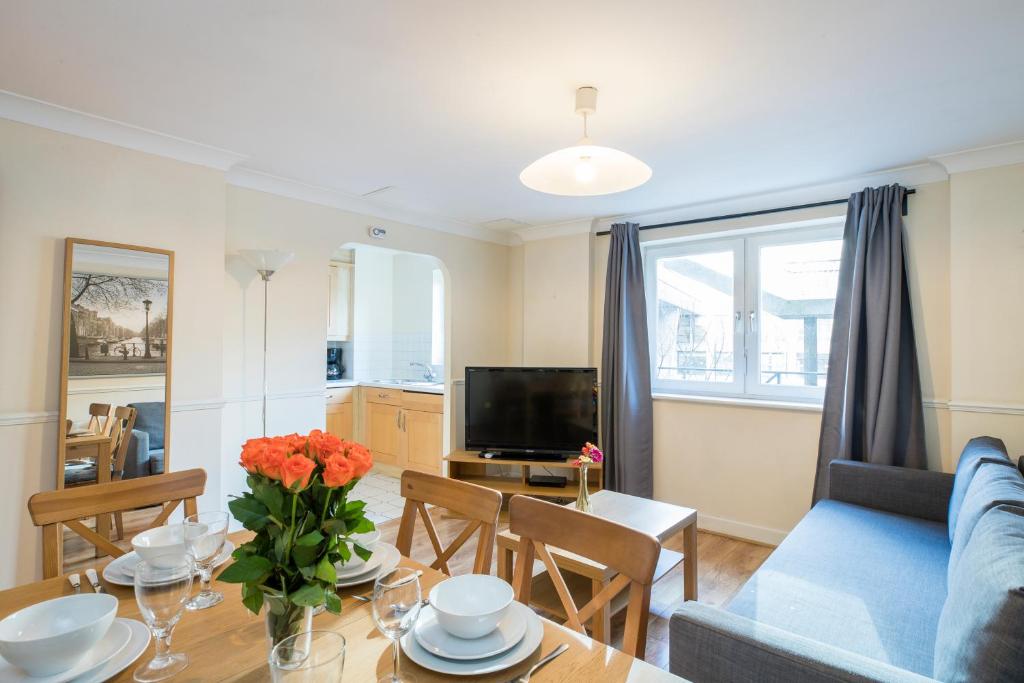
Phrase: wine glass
(205, 534)
(396, 604)
(162, 586)
(309, 657)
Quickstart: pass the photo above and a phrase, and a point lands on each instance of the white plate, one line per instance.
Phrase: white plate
(109, 645)
(138, 644)
(389, 559)
(121, 570)
(478, 667)
(437, 641)
(365, 568)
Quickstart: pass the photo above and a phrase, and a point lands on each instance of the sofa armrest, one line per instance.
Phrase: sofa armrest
(136, 460)
(710, 644)
(915, 493)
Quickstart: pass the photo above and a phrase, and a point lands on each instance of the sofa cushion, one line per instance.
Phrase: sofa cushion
(149, 418)
(978, 451)
(864, 580)
(980, 637)
(156, 461)
(991, 485)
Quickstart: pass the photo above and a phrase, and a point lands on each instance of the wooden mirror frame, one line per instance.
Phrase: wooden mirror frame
(69, 247)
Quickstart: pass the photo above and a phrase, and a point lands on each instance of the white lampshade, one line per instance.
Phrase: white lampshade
(585, 170)
(269, 260)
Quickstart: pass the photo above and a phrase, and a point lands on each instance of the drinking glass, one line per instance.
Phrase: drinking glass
(309, 657)
(396, 604)
(162, 586)
(205, 534)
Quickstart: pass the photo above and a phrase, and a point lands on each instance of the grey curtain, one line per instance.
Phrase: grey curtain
(627, 431)
(872, 411)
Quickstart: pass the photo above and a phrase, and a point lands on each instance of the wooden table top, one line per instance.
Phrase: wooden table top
(227, 642)
(86, 439)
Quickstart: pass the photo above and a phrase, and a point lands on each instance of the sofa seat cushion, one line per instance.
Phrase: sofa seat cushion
(980, 636)
(864, 580)
(979, 451)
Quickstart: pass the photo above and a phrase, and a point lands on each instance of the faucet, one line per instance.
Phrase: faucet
(428, 372)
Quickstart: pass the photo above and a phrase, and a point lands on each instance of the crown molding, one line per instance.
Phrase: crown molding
(551, 230)
(982, 157)
(909, 176)
(251, 179)
(73, 122)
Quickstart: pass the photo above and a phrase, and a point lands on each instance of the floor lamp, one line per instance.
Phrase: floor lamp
(266, 262)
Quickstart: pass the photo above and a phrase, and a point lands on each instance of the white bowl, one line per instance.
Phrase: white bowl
(167, 541)
(50, 637)
(472, 605)
(368, 541)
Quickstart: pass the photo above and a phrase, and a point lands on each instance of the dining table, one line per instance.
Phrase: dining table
(97, 447)
(228, 643)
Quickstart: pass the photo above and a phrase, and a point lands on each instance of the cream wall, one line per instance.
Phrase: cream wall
(54, 186)
(556, 278)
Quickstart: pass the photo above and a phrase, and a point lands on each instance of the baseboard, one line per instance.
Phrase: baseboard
(740, 530)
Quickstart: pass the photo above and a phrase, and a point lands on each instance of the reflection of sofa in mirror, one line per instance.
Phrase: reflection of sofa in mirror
(146, 448)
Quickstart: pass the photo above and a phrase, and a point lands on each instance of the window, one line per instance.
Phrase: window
(744, 316)
(437, 318)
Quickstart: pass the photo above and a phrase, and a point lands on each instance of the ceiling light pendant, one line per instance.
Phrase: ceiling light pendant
(585, 170)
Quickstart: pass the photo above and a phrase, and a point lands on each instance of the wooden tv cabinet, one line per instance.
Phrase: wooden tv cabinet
(469, 466)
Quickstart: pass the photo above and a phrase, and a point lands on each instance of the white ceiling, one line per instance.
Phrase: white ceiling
(449, 100)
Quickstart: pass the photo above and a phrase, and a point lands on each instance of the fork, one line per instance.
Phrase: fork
(525, 678)
(75, 582)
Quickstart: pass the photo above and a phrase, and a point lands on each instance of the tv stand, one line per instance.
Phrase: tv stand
(531, 457)
(470, 466)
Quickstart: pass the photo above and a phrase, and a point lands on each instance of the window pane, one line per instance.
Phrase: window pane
(695, 318)
(798, 296)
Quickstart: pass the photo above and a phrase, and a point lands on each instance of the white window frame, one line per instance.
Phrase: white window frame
(746, 301)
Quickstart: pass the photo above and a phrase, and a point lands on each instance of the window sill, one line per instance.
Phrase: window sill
(768, 403)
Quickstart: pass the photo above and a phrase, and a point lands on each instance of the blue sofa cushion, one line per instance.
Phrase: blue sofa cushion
(149, 418)
(981, 630)
(978, 451)
(156, 461)
(864, 580)
(991, 485)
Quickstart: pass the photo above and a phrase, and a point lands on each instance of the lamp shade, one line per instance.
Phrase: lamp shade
(584, 171)
(269, 260)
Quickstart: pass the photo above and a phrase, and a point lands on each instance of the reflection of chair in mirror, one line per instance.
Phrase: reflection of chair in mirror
(100, 418)
(53, 510)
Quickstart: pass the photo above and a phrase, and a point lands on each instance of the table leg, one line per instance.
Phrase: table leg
(103, 477)
(690, 562)
(601, 622)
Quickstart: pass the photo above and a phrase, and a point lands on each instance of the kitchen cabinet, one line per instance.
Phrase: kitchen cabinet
(339, 301)
(339, 412)
(405, 429)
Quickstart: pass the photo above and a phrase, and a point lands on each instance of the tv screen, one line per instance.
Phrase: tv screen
(542, 410)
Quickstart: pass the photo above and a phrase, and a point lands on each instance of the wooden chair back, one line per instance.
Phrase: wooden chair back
(631, 553)
(53, 510)
(121, 435)
(100, 418)
(478, 504)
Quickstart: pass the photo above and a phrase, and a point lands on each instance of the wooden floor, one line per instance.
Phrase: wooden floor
(724, 565)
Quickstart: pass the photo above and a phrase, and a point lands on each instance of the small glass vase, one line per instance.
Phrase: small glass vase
(583, 499)
(284, 620)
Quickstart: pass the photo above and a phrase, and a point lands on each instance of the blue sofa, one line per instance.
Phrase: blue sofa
(900, 575)
(146, 448)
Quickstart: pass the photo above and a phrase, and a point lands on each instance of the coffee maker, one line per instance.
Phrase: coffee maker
(335, 363)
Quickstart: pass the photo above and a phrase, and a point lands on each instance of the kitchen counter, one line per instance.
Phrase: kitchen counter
(336, 383)
(403, 385)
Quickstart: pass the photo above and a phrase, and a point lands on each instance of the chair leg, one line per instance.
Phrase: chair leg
(119, 524)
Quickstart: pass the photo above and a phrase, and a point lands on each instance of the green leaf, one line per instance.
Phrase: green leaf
(361, 527)
(312, 538)
(345, 553)
(325, 572)
(308, 572)
(310, 595)
(362, 552)
(252, 598)
(252, 569)
(303, 555)
(335, 526)
(270, 495)
(354, 506)
(332, 601)
(250, 512)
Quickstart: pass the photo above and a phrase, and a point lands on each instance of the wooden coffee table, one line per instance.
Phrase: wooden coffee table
(661, 520)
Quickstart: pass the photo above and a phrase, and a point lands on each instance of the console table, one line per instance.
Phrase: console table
(469, 466)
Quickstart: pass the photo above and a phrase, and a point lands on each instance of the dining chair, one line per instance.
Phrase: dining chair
(478, 504)
(53, 510)
(100, 418)
(121, 435)
(631, 553)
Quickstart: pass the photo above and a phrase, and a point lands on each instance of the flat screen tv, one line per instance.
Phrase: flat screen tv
(539, 412)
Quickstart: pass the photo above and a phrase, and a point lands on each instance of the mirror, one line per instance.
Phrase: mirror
(115, 386)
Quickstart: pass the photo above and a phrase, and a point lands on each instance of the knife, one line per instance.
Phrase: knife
(90, 574)
(75, 582)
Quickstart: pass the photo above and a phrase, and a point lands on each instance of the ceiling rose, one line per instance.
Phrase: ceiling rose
(585, 169)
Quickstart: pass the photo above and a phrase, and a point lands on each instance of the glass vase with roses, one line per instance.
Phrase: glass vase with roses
(298, 506)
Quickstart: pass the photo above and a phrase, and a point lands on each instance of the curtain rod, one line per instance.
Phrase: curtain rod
(761, 212)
